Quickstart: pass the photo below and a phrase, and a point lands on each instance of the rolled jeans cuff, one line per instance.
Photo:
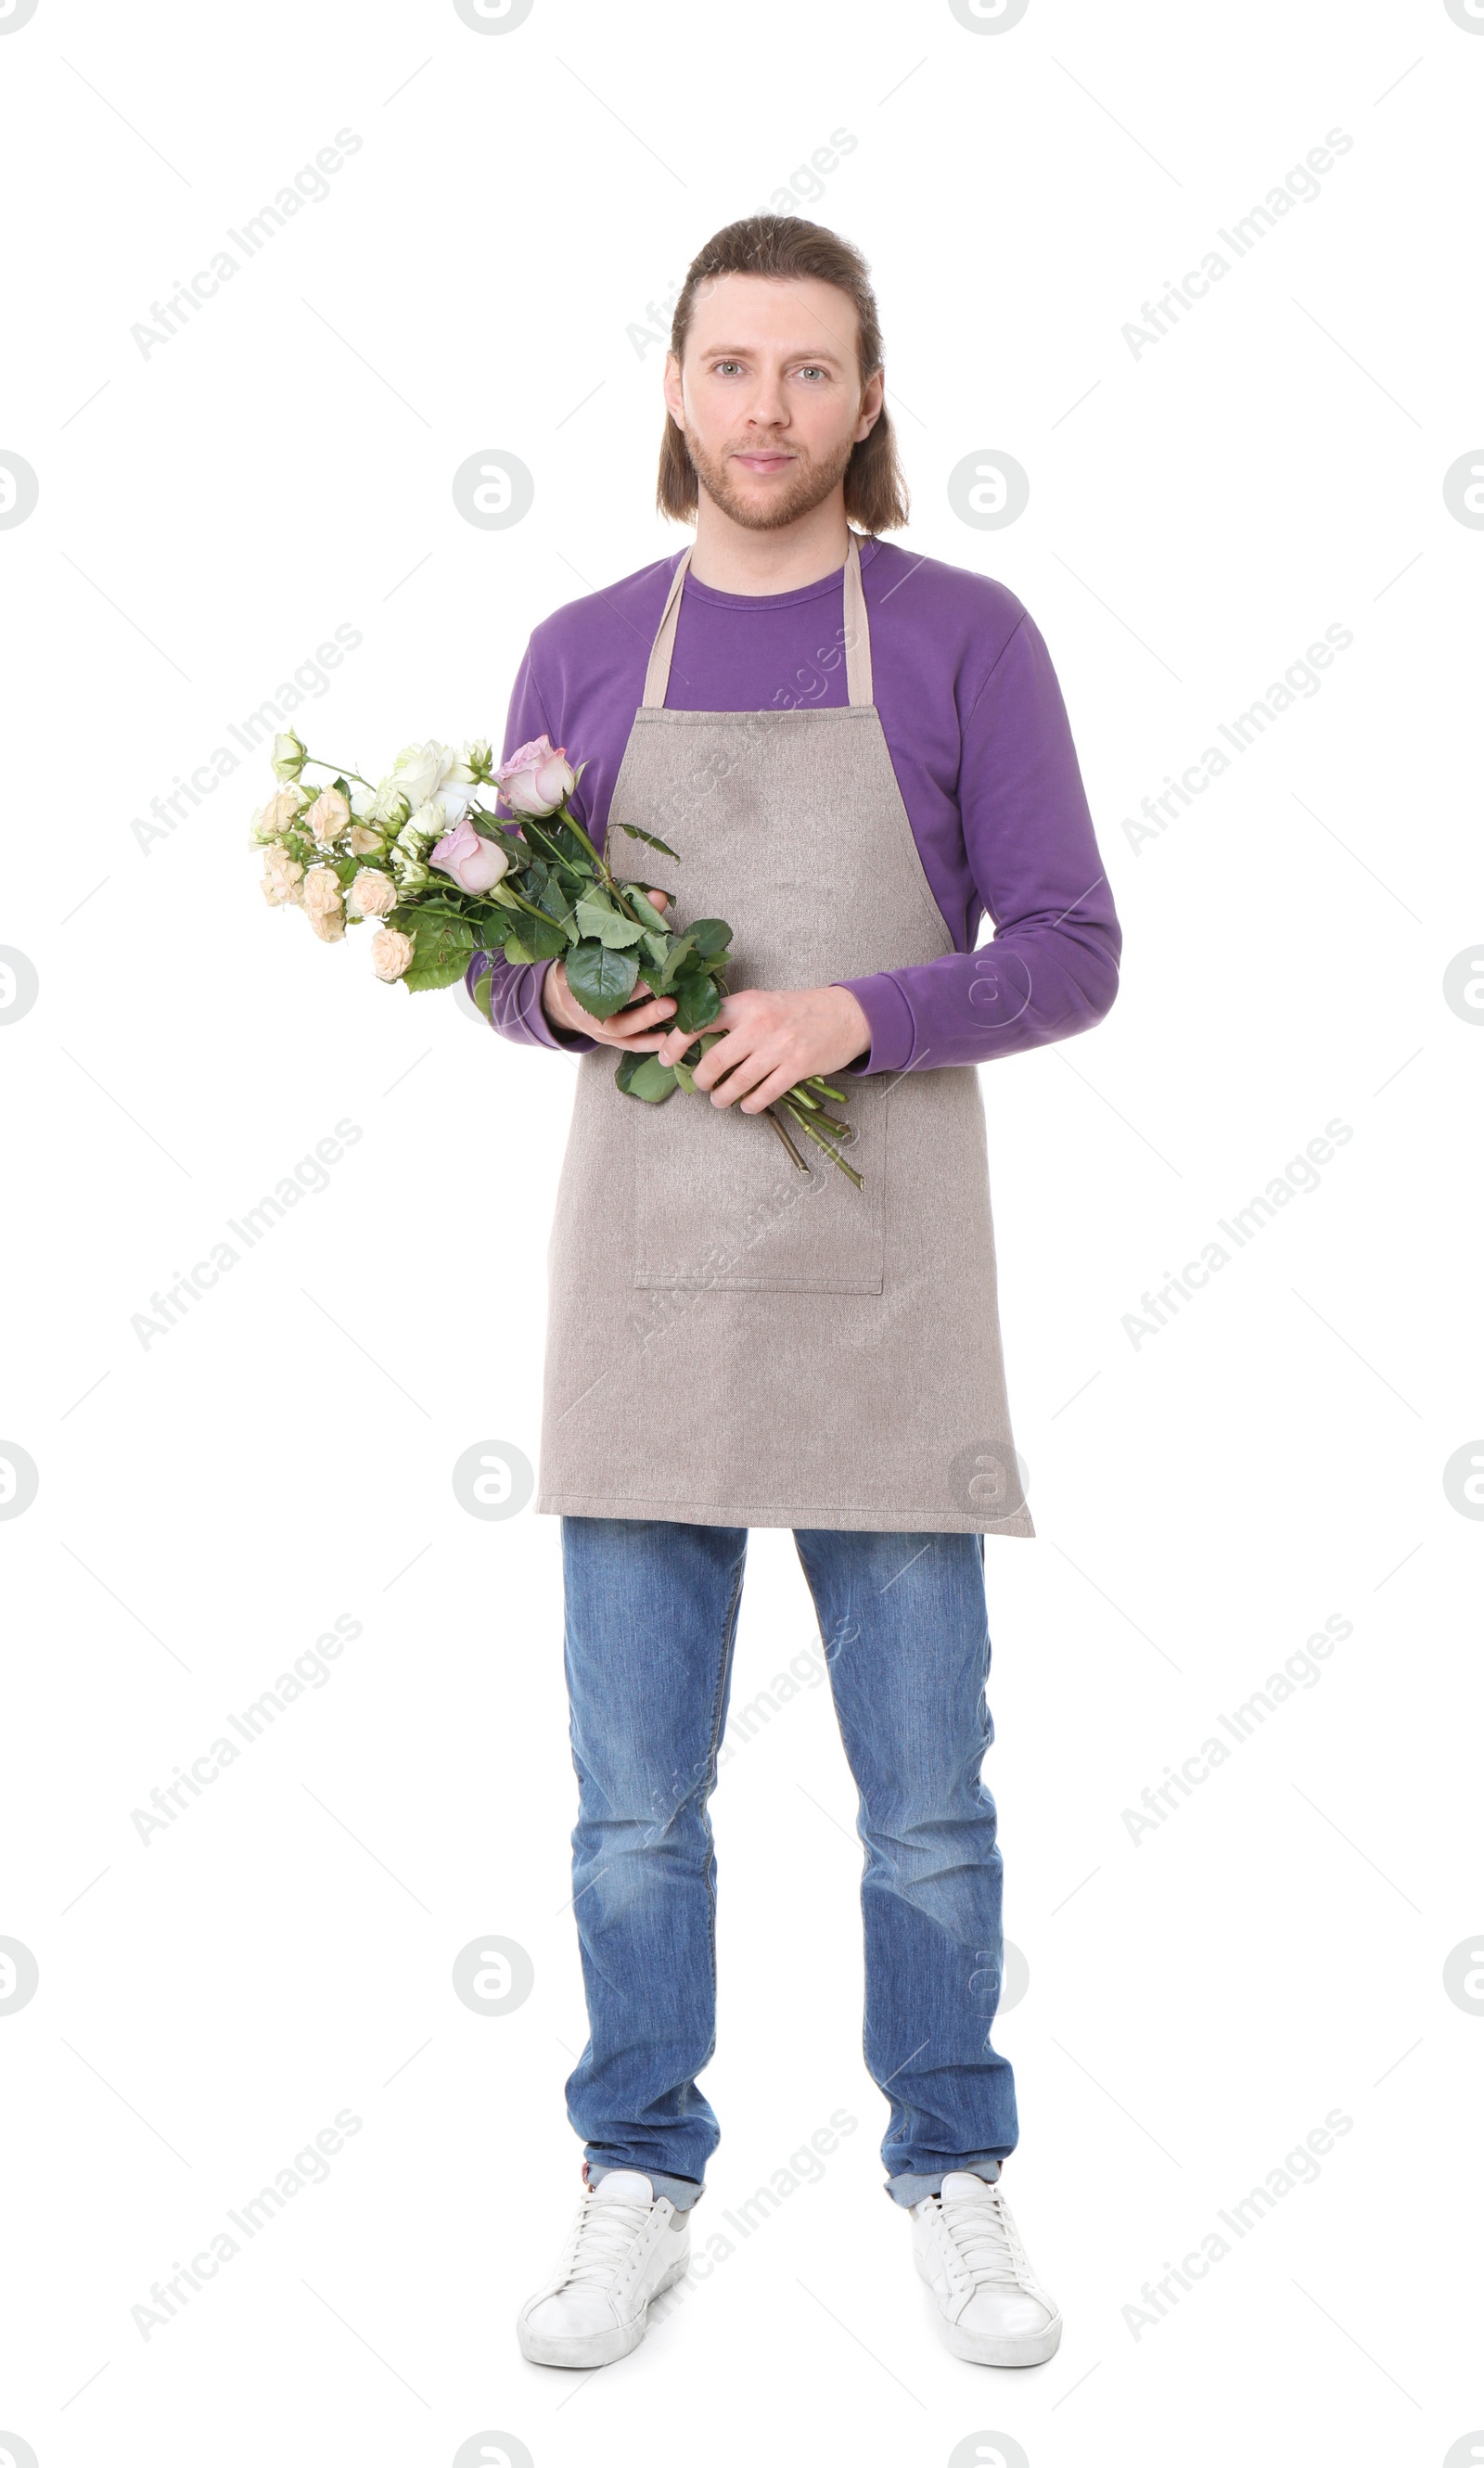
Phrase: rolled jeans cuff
(907, 2190)
(683, 2191)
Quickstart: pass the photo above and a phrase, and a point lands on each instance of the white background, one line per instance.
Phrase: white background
(1198, 2000)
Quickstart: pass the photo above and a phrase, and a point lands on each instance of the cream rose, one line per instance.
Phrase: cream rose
(280, 877)
(327, 817)
(364, 843)
(373, 894)
(391, 954)
(289, 754)
(280, 811)
(324, 902)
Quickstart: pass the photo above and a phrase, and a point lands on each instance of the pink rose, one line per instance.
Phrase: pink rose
(475, 864)
(537, 778)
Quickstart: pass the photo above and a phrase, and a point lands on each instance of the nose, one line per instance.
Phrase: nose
(769, 408)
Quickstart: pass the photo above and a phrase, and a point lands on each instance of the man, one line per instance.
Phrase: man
(856, 754)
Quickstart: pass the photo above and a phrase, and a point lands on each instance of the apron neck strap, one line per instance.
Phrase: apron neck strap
(857, 633)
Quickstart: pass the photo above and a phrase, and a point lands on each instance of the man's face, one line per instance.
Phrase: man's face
(770, 399)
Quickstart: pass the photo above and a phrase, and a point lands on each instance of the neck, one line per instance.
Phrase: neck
(729, 557)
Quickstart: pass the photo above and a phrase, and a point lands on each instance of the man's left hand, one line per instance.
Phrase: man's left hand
(769, 1043)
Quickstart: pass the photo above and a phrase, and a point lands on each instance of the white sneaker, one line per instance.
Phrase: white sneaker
(624, 2248)
(992, 2308)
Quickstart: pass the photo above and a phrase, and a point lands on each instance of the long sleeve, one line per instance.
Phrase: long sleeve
(1052, 967)
(516, 986)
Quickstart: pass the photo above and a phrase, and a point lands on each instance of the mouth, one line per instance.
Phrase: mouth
(763, 462)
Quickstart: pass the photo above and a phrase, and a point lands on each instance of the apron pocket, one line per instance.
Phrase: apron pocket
(720, 1204)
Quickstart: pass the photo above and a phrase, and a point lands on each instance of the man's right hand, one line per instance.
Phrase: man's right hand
(638, 1029)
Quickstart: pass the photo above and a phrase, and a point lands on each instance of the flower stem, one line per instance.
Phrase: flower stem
(801, 1162)
(341, 769)
(804, 1125)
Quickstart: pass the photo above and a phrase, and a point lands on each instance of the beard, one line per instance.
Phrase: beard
(808, 486)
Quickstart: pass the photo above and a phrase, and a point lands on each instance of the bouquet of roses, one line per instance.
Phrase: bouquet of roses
(440, 877)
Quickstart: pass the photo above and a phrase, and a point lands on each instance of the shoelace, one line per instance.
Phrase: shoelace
(605, 2233)
(983, 2239)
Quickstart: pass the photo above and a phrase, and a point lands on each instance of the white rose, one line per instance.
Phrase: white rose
(388, 805)
(391, 954)
(289, 754)
(426, 823)
(373, 894)
(474, 760)
(420, 769)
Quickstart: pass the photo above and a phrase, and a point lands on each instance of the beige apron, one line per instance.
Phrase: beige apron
(730, 1341)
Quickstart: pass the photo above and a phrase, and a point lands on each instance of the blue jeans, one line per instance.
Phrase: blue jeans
(650, 1620)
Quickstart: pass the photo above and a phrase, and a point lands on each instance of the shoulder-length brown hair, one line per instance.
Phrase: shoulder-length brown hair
(790, 250)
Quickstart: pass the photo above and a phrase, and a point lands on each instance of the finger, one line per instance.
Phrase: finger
(744, 1076)
(768, 1092)
(643, 1015)
(718, 1058)
(725, 1021)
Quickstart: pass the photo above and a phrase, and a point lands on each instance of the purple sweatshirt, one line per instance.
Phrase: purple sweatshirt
(983, 753)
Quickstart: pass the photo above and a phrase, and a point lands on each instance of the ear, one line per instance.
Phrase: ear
(674, 394)
(872, 395)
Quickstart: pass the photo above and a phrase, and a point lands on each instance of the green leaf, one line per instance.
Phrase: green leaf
(648, 837)
(597, 916)
(440, 932)
(553, 839)
(657, 946)
(679, 953)
(651, 916)
(425, 978)
(534, 938)
(697, 1001)
(644, 1075)
(712, 934)
(601, 979)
